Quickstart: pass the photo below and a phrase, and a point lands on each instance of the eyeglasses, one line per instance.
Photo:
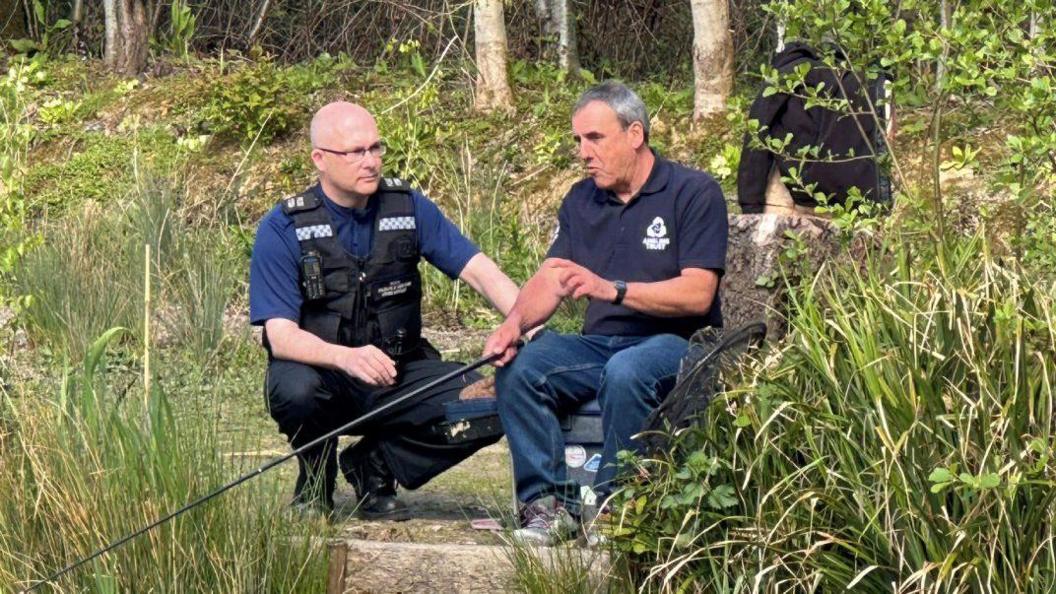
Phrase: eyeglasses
(356, 155)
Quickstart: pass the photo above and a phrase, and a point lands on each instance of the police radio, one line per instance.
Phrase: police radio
(312, 276)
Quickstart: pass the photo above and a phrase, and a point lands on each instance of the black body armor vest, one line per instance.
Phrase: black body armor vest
(358, 301)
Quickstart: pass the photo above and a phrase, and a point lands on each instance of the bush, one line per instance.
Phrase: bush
(89, 466)
(262, 101)
(250, 105)
(902, 441)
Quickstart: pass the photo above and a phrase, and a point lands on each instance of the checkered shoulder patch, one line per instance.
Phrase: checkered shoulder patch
(396, 223)
(314, 231)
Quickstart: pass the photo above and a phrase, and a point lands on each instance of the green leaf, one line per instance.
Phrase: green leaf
(940, 475)
(939, 487)
(98, 348)
(24, 45)
(989, 481)
(722, 497)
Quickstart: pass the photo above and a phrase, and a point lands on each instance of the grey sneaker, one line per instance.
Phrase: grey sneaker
(544, 523)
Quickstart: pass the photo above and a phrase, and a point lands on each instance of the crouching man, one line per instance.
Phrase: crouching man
(642, 239)
(334, 281)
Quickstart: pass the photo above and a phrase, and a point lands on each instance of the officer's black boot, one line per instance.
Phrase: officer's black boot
(365, 468)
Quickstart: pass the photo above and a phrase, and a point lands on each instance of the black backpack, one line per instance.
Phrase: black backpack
(832, 131)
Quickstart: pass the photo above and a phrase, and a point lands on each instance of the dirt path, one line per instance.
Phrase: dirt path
(441, 511)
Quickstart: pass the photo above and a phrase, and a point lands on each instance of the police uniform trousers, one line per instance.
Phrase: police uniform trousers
(308, 402)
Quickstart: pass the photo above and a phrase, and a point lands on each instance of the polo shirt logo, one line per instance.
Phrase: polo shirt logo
(656, 235)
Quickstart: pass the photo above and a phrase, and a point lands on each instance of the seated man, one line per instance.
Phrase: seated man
(644, 240)
(334, 281)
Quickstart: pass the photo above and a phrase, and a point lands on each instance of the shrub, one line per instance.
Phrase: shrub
(902, 441)
(250, 105)
(262, 101)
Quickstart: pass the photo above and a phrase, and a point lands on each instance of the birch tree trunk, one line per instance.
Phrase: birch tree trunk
(493, 90)
(126, 36)
(558, 24)
(712, 56)
(252, 36)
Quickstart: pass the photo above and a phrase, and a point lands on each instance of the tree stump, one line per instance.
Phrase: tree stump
(753, 288)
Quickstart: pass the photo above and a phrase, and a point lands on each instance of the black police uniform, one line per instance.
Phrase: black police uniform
(355, 302)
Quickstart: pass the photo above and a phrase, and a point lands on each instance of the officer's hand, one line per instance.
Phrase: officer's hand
(368, 364)
(578, 282)
(503, 342)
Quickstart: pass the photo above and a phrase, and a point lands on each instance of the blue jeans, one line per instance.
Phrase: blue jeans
(555, 373)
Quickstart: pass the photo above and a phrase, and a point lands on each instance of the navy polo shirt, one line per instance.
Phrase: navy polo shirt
(274, 272)
(676, 221)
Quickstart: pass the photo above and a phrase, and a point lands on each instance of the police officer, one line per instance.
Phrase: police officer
(643, 239)
(334, 281)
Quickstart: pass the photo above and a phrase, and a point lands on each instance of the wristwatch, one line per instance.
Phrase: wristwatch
(621, 291)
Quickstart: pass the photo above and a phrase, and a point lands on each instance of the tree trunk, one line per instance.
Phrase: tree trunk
(493, 90)
(252, 36)
(558, 25)
(76, 16)
(712, 56)
(126, 36)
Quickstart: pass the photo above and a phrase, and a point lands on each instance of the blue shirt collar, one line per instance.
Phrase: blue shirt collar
(357, 213)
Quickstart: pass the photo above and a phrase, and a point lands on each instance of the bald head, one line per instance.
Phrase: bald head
(339, 131)
(337, 121)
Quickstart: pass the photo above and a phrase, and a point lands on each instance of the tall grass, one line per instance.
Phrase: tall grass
(88, 274)
(563, 570)
(88, 466)
(903, 440)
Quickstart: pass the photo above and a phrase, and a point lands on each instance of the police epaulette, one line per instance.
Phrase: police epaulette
(394, 184)
(300, 202)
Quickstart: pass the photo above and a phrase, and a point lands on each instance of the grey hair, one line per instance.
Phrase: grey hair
(628, 106)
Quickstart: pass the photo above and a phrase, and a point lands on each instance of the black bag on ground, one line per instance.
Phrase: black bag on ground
(856, 142)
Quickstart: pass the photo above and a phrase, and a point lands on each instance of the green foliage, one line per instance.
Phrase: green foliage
(182, 29)
(99, 168)
(901, 435)
(16, 133)
(560, 570)
(48, 31)
(88, 274)
(262, 101)
(249, 106)
(87, 464)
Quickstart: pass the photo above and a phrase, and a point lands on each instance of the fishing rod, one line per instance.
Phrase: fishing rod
(272, 464)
